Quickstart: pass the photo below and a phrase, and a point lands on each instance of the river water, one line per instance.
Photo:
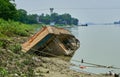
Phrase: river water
(99, 44)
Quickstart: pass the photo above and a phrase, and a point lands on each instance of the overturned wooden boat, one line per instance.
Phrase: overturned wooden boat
(53, 40)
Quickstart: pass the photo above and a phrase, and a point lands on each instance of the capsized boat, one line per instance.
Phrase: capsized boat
(53, 40)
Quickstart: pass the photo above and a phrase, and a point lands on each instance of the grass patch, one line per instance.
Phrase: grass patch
(3, 72)
(11, 28)
(16, 48)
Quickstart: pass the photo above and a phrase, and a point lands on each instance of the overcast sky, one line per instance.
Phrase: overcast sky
(98, 11)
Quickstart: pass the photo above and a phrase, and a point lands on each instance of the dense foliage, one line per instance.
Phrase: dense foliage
(7, 10)
(65, 19)
(58, 19)
(28, 19)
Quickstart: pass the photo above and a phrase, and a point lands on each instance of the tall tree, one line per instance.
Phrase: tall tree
(22, 15)
(45, 18)
(32, 19)
(7, 10)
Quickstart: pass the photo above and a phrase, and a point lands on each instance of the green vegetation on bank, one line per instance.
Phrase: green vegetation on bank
(10, 29)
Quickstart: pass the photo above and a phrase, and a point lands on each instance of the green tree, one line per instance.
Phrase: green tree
(32, 19)
(7, 10)
(45, 18)
(22, 15)
(74, 21)
(66, 18)
(54, 17)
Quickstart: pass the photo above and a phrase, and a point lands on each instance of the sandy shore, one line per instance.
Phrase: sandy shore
(55, 67)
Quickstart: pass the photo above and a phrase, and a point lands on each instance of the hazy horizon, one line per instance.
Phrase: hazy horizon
(102, 11)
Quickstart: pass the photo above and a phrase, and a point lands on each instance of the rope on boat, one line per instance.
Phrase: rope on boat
(46, 53)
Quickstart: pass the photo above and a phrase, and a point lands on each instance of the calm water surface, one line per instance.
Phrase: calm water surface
(100, 44)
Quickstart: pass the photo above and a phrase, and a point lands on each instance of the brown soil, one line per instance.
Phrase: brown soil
(19, 64)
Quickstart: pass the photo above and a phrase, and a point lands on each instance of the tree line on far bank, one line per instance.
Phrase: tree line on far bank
(8, 11)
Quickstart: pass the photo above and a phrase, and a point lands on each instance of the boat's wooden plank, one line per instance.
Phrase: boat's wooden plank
(34, 40)
(51, 39)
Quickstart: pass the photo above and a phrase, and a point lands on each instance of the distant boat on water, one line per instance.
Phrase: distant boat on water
(83, 25)
(117, 22)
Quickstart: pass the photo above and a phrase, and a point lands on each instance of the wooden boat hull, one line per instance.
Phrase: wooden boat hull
(57, 41)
